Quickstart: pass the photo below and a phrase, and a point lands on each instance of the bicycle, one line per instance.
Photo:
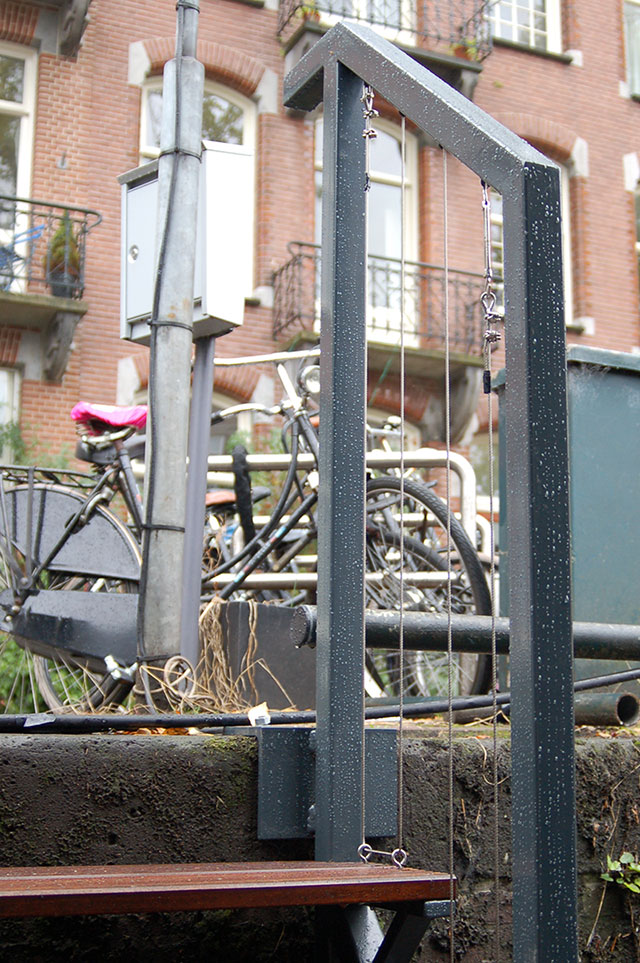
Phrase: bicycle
(402, 516)
(57, 532)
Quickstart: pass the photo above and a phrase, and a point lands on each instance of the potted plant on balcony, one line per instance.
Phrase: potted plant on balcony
(62, 260)
(309, 11)
(466, 48)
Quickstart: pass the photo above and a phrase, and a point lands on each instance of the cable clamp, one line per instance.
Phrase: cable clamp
(183, 151)
(162, 528)
(155, 323)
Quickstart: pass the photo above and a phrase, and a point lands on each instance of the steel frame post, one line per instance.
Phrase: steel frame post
(171, 345)
(541, 646)
(544, 837)
(340, 649)
(199, 432)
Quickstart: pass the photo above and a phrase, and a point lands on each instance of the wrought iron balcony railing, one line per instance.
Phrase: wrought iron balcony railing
(456, 27)
(43, 246)
(297, 301)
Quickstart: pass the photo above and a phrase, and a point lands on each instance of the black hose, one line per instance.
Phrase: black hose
(65, 724)
(242, 487)
(274, 520)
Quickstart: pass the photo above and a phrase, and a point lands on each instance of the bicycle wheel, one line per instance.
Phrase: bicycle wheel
(424, 521)
(66, 682)
(31, 682)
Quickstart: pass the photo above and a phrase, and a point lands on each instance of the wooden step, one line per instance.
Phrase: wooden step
(88, 890)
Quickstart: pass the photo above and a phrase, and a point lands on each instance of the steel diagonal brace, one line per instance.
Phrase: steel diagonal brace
(358, 938)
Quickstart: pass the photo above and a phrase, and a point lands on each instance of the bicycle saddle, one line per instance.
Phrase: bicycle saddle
(99, 418)
(227, 497)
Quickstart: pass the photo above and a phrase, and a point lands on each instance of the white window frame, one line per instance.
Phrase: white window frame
(632, 62)
(150, 152)
(567, 262)
(403, 33)
(12, 412)
(636, 200)
(25, 111)
(552, 33)
(388, 331)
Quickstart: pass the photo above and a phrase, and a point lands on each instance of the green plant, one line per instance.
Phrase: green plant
(308, 11)
(465, 47)
(23, 452)
(13, 443)
(624, 871)
(16, 685)
(63, 253)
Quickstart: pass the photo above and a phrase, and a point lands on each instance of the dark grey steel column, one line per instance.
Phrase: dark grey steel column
(339, 658)
(541, 657)
(199, 433)
(544, 845)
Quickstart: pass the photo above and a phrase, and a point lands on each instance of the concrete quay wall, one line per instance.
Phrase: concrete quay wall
(192, 798)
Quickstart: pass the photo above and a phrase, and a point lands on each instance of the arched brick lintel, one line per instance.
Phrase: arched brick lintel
(224, 64)
(556, 140)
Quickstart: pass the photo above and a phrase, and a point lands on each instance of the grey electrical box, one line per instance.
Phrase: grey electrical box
(224, 242)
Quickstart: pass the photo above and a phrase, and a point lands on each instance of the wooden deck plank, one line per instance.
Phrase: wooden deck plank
(80, 890)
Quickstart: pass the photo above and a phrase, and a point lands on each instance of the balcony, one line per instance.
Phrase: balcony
(452, 38)
(296, 309)
(42, 270)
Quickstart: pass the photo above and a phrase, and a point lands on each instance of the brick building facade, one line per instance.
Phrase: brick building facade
(79, 106)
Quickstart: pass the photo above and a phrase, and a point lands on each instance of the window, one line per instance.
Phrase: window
(533, 23)
(229, 127)
(17, 102)
(497, 247)
(392, 16)
(227, 117)
(384, 232)
(637, 204)
(9, 411)
(632, 43)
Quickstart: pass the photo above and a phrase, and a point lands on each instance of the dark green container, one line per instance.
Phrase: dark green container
(603, 389)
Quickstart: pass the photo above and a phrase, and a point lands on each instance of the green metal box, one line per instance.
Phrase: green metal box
(603, 391)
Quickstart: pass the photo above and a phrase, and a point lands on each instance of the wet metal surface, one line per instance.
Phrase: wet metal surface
(544, 848)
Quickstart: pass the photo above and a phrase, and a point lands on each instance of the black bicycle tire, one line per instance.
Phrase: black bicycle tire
(106, 691)
(463, 546)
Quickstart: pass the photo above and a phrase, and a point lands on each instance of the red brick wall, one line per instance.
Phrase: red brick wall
(88, 112)
(551, 102)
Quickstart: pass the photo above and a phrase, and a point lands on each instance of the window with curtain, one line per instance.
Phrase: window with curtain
(632, 43)
(532, 23)
(385, 219)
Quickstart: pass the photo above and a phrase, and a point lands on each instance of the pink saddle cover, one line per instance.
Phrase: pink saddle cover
(118, 416)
